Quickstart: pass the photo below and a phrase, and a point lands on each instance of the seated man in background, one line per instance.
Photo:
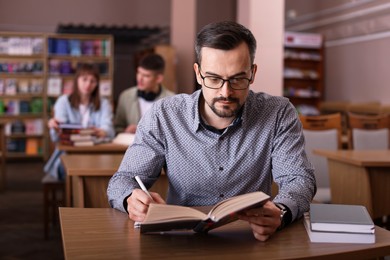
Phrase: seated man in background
(221, 141)
(135, 101)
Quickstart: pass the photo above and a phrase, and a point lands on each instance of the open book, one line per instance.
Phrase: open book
(162, 217)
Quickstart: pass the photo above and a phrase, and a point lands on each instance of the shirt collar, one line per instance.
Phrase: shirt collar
(196, 106)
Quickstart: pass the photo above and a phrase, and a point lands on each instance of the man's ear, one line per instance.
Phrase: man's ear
(160, 78)
(254, 70)
(198, 78)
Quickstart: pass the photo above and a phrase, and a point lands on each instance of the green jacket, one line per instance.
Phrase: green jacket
(128, 110)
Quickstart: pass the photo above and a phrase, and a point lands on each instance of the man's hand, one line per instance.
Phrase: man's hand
(138, 204)
(131, 129)
(264, 221)
(100, 132)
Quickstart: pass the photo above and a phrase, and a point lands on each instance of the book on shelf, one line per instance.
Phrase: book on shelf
(54, 87)
(340, 218)
(32, 146)
(23, 86)
(67, 87)
(10, 87)
(36, 86)
(105, 88)
(163, 217)
(34, 126)
(336, 237)
(2, 86)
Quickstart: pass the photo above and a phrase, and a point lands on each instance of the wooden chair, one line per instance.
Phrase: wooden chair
(2, 158)
(368, 132)
(324, 122)
(53, 197)
(367, 108)
(332, 107)
(321, 132)
(385, 109)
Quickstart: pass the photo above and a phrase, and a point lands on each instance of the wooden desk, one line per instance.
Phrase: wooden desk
(87, 177)
(99, 148)
(360, 177)
(105, 173)
(109, 234)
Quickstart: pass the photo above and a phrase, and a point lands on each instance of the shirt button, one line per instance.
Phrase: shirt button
(221, 195)
(220, 168)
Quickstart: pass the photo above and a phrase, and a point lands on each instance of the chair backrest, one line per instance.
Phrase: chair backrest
(377, 139)
(321, 139)
(321, 132)
(368, 132)
(331, 107)
(324, 122)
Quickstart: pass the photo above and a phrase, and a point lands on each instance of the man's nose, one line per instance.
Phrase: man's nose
(226, 89)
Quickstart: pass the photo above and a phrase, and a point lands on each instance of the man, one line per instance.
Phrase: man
(135, 101)
(221, 141)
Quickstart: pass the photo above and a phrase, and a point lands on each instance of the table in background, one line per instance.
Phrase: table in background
(98, 148)
(109, 234)
(360, 177)
(87, 177)
(104, 148)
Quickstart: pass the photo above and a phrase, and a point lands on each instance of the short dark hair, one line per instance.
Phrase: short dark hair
(152, 62)
(225, 35)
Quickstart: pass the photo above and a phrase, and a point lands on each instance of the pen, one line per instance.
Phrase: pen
(141, 184)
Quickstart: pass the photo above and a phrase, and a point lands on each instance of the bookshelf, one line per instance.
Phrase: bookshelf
(35, 69)
(22, 98)
(303, 71)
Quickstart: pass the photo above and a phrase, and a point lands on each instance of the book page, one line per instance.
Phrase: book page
(164, 213)
(236, 204)
(124, 138)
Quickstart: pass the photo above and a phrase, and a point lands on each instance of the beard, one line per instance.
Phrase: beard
(226, 111)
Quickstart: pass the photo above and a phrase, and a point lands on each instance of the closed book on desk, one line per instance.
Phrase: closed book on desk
(75, 129)
(78, 143)
(337, 237)
(340, 218)
(76, 137)
(162, 217)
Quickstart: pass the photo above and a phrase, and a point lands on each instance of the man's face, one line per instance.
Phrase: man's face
(224, 102)
(148, 80)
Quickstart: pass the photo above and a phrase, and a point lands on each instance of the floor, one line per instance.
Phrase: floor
(21, 216)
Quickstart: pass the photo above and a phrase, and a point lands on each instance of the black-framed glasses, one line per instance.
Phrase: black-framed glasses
(215, 82)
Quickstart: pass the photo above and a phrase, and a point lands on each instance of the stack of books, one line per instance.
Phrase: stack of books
(76, 135)
(335, 223)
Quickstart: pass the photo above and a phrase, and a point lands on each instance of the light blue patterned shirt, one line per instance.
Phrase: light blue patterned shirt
(204, 167)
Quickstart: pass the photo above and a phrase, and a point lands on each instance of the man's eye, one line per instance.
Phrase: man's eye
(214, 80)
(237, 80)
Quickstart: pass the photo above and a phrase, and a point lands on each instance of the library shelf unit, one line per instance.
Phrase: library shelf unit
(303, 70)
(35, 69)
